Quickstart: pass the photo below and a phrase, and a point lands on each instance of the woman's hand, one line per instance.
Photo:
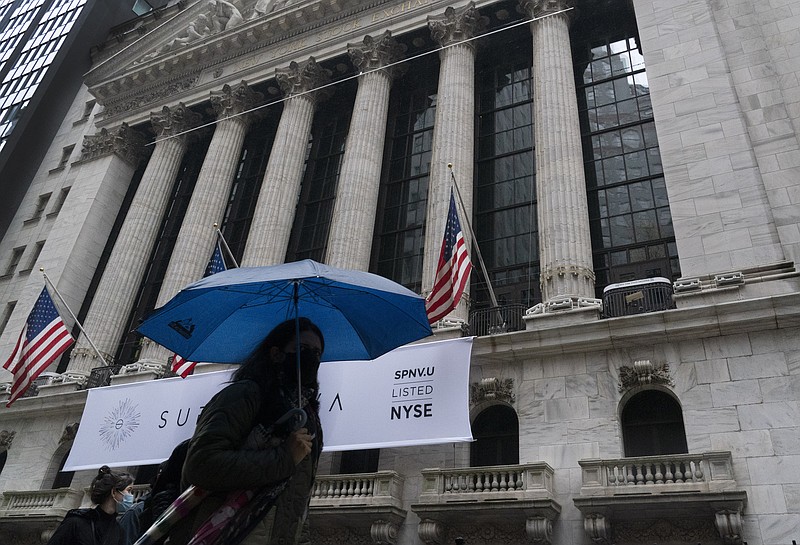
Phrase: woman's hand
(299, 444)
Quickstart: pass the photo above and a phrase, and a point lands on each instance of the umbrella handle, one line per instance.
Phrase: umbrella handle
(298, 414)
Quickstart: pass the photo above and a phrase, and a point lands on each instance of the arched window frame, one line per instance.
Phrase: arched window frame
(635, 391)
(476, 411)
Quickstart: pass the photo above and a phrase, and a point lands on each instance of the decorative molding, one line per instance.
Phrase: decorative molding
(539, 530)
(457, 25)
(70, 431)
(121, 105)
(125, 142)
(666, 530)
(729, 526)
(643, 373)
(383, 532)
(540, 8)
(303, 77)
(431, 532)
(336, 535)
(174, 121)
(232, 101)
(492, 389)
(376, 53)
(597, 528)
(86, 352)
(6, 438)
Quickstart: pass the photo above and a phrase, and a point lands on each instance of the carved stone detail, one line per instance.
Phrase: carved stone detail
(597, 528)
(431, 532)
(174, 121)
(118, 106)
(383, 532)
(492, 389)
(376, 53)
(69, 434)
(88, 353)
(331, 535)
(729, 526)
(127, 143)
(302, 77)
(643, 373)
(540, 8)
(539, 530)
(665, 530)
(457, 25)
(6, 438)
(232, 101)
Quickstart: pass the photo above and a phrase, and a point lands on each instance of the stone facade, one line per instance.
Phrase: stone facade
(723, 81)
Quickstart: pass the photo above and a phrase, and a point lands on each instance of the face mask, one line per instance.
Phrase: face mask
(309, 364)
(125, 504)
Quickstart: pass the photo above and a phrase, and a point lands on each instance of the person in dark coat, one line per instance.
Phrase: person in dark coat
(111, 494)
(219, 459)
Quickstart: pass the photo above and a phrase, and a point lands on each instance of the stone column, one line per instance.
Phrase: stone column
(563, 214)
(353, 220)
(277, 200)
(453, 136)
(195, 241)
(126, 265)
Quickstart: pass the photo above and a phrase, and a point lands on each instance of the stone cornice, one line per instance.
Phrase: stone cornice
(125, 142)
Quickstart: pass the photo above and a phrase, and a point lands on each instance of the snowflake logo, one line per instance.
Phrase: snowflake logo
(119, 424)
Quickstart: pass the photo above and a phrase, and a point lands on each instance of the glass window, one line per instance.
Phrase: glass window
(652, 424)
(496, 434)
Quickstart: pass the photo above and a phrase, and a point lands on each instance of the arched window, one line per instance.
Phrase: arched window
(359, 461)
(55, 477)
(496, 434)
(652, 423)
(3, 458)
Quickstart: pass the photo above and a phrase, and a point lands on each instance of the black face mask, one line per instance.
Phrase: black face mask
(309, 365)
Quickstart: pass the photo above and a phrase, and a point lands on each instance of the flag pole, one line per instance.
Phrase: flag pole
(474, 240)
(225, 243)
(80, 326)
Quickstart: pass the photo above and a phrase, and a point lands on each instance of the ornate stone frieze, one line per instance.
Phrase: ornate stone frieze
(597, 528)
(302, 77)
(643, 373)
(335, 535)
(383, 532)
(539, 530)
(540, 8)
(6, 438)
(174, 121)
(492, 389)
(125, 142)
(431, 532)
(69, 433)
(376, 53)
(663, 530)
(457, 25)
(123, 105)
(232, 101)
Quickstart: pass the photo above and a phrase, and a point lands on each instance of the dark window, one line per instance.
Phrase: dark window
(401, 227)
(6, 315)
(505, 186)
(630, 220)
(3, 458)
(63, 478)
(359, 461)
(652, 423)
(146, 474)
(16, 256)
(496, 434)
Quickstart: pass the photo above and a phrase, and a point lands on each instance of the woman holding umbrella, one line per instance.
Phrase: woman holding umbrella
(258, 470)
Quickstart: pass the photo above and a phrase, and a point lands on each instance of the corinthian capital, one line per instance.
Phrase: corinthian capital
(456, 25)
(540, 8)
(302, 77)
(174, 121)
(125, 142)
(375, 53)
(234, 100)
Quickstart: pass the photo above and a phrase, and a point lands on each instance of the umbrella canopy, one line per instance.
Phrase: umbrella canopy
(224, 317)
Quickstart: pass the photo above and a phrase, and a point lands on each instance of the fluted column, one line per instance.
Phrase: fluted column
(277, 200)
(353, 220)
(453, 135)
(126, 265)
(565, 245)
(196, 238)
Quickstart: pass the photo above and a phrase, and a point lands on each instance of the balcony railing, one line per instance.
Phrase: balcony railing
(487, 483)
(380, 488)
(707, 472)
(494, 320)
(32, 503)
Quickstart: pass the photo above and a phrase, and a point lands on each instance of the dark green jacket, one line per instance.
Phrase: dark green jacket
(217, 462)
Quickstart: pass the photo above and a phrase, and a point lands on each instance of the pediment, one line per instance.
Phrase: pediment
(201, 35)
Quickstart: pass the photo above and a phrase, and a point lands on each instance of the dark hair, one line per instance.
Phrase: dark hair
(106, 481)
(256, 367)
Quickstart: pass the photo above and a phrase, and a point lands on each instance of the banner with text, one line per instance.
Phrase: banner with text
(414, 395)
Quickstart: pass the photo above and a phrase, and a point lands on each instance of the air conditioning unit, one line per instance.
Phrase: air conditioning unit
(637, 297)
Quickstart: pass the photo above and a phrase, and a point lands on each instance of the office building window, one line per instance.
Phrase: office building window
(6, 315)
(41, 204)
(16, 256)
(62, 196)
(37, 250)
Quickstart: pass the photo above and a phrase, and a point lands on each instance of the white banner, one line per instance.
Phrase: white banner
(414, 395)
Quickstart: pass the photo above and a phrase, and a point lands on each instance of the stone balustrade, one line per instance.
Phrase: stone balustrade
(382, 487)
(32, 503)
(705, 472)
(526, 481)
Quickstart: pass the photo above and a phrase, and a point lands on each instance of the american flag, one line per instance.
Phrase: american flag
(216, 264)
(43, 339)
(452, 273)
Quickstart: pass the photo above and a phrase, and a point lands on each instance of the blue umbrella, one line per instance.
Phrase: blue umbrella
(223, 318)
